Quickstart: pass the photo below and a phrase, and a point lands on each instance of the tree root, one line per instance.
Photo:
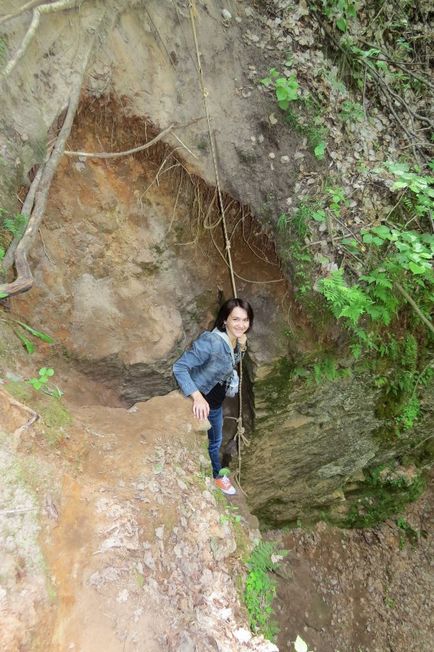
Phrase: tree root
(24, 280)
(21, 10)
(40, 190)
(26, 210)
(119, 154)
(60, 5)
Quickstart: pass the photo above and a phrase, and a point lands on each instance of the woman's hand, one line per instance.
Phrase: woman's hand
(242, 341)
(200, 406)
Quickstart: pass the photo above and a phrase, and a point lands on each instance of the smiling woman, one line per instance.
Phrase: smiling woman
(206, 373)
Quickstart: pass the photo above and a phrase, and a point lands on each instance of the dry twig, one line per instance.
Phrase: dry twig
(60, 5)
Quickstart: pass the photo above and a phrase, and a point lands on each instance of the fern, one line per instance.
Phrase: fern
(261, 558)
(16, 225)
(261, 589)
(350, 302)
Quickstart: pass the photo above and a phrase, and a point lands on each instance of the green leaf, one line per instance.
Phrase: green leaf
(3, 295)
(319, 151)
(46, 371)
(416, 269)
(28, 344)
(42, 336)
(341, 24)
(319, 216)
(382, 231)
(281, 93)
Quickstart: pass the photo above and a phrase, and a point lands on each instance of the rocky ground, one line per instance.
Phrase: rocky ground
(365, 590)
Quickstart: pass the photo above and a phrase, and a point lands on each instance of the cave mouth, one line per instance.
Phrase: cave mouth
(139, 244)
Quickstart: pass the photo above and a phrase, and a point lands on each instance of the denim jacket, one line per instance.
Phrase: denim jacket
(209, 360)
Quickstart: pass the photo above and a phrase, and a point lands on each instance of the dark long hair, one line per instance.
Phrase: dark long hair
(226, 310)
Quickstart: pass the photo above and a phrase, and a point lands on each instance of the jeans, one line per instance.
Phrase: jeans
(215, 437)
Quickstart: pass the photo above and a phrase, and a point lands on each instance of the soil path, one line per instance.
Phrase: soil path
(140, 557)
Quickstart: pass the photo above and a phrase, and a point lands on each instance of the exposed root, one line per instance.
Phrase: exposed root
(26, 210)
(21, 10)
(60, 5)
(24, 277)
(127, 152)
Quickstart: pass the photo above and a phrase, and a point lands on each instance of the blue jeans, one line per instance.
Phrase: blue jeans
(215, 437)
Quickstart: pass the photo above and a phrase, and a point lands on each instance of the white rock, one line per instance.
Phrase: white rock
(226, 14)
(159, 532)
(122, 596)
(242, 635)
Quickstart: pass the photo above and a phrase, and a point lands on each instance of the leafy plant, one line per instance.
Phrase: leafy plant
(420, 186)
(384, 496)
(408, 533)
(44, 374)
(15, 224)
(287, 92)
(10, 225)
(327, 371)
(28, 344)
(337, 198)
(340, 12)
(41, 383)
(351, 111)
(285, 88)
(260, 588)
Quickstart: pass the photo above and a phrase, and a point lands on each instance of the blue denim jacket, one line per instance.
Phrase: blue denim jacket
(208, 361)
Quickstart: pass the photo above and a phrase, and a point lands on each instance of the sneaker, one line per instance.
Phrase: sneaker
(223, 483)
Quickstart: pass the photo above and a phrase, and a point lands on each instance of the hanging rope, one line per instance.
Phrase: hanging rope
(239, 436)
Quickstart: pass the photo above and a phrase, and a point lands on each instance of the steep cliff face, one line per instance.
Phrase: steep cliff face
(308, 446)
(125, 271)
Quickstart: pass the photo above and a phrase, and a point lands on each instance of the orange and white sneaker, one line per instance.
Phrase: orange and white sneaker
(223, 483)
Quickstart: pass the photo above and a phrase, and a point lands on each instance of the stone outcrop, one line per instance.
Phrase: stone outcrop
(308, 441)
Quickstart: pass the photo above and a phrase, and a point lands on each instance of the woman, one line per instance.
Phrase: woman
(206, 373)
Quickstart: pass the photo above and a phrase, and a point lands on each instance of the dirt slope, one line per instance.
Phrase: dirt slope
(133, 552)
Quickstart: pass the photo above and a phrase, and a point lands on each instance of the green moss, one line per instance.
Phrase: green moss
(277, 384)
(55, 417)
(385, 494)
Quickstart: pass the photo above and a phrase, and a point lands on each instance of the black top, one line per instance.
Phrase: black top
(215, 396)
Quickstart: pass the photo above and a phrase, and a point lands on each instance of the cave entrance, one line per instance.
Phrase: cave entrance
(132, 262)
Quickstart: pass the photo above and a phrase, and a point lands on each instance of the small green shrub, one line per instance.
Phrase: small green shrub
(407, 532)
(261, 588)
(385, 495)
(307, 118)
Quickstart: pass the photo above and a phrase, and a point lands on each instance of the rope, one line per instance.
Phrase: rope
(204, 91)
(239, 436)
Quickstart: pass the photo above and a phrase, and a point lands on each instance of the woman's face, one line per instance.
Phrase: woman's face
(237, 322)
